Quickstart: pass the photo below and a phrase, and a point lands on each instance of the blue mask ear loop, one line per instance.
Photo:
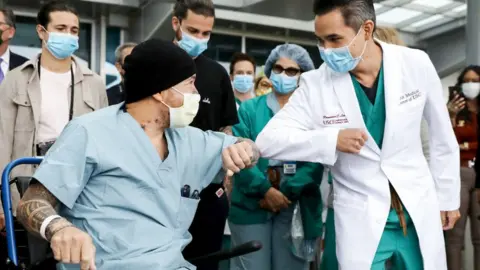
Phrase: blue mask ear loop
(364, 46)
(45, 41)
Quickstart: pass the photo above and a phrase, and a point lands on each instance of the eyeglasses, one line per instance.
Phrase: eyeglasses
(291, 71)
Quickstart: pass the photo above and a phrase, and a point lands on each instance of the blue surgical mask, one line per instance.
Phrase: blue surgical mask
(192, 45)
(283, 84)
(340, 59)
(61, 45)
(243, 83)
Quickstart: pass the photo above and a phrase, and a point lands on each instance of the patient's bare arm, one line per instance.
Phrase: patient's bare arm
(69, 244)
(36, 205)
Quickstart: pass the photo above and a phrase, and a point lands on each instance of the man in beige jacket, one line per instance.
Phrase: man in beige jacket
(38, 98)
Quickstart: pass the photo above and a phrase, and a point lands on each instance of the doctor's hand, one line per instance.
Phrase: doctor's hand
(73, 246)
(274, 201)
(243, 154)
(449, 218)
(351, 140)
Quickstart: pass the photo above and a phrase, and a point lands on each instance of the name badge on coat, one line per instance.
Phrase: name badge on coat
(289, 167)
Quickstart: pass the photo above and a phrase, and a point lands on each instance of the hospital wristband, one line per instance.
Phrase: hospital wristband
(45, 224)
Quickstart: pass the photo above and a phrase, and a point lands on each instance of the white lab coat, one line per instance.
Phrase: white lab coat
(325, 102)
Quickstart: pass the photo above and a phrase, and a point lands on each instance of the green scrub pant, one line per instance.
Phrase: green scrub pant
(329, 256)
(395, 250)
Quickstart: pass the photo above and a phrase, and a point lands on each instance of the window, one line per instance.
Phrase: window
(222, 47)
(113, 41)
(26, 37)
(260, 49)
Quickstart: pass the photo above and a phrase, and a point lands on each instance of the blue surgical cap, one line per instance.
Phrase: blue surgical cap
(292, 52)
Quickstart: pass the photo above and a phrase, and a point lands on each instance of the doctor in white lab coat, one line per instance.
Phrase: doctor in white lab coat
(325, 122)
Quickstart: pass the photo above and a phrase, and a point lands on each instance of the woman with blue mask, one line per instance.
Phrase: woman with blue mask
(264, 197)
(242, 72)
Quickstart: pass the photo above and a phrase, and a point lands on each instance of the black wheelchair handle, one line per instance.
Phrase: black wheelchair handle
(222, 255)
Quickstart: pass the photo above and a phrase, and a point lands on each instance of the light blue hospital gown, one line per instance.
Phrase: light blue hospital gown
(113, 185)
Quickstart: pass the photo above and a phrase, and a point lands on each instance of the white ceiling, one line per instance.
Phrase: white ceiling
(418, 15)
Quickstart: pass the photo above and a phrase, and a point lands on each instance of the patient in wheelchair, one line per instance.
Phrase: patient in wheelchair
(110, 193)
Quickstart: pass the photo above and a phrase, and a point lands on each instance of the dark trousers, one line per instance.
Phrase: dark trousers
(3, 252)
(469, 208)
(208, 226)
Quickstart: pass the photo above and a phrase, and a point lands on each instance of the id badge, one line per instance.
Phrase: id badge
(289, 167)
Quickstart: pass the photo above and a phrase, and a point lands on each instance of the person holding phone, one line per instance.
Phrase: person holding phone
(463, 109)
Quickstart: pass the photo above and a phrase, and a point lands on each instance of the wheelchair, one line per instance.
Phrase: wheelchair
(33, 253)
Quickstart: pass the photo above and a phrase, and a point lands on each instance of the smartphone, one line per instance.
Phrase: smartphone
(452, 90)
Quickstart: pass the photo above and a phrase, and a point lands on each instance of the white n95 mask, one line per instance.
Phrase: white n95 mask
(183, 116)
(471, 89)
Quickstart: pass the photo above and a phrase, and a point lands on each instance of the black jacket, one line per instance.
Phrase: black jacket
(116, 94)
(16, 60)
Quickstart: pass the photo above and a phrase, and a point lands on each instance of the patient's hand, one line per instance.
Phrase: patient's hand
(241, 155)
(72, 245)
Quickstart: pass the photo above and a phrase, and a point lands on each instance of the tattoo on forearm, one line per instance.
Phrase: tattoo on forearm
(256, 152)
(55, 226)
(227, 130)
(36, 205)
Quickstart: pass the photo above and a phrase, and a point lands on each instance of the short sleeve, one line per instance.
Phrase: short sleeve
(215, 142)
(68, 165)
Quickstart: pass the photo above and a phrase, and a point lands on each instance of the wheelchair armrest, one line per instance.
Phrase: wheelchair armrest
(7, 204)
(222, 255)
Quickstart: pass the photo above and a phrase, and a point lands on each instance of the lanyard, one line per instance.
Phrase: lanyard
(70, 114)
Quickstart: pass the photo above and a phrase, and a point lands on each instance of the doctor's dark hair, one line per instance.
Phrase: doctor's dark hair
(238, 57)
(43, 16)
(354, 12)
(199, 7)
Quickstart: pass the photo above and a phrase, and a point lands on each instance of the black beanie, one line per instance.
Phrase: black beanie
(153, 66)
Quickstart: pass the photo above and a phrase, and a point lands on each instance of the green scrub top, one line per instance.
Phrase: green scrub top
(251, 185)
(373, 114)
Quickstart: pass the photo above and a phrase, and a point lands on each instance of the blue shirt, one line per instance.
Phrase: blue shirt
(113, 185)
